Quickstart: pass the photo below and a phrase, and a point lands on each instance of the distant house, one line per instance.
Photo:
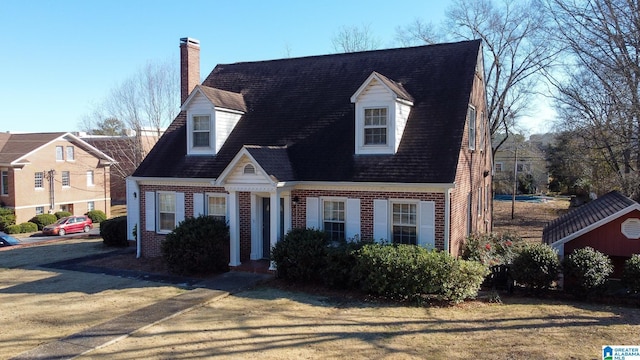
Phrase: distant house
(128, 151)
(384, 145)
(609, 224)
(50, 172)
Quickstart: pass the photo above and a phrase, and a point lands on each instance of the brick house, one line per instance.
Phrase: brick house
(49, 172)
(385, 145)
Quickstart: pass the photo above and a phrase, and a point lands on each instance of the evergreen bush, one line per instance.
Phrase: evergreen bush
(114, 232)
(197, 245)
(301, 255)
(7, 217)
(13, 229)
(43, 220)
(631, 273)
(96, 216)
(61, 214)
(28, 227)
(536, 266)
(586, 270)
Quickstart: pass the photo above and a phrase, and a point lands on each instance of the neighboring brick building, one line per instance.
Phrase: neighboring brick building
(49, 172)
(384, 145)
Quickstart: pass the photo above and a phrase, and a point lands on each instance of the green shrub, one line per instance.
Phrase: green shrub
(491, 248)
(114, 231)
(13, 229)
(197, 245)
(585, 270)
(97, 216)
(28, 227)
(410, 272)
(7, 217)
(301, 255)
(43, 220)
(631, 273)
(536, 266)
(339, 264)
(61, 214)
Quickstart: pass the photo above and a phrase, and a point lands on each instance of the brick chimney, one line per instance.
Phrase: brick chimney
(189, 66)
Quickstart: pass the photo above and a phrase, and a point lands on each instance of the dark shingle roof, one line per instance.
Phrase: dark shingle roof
(224, 99)
(397, 88)
(274, 160)
(305, 105)
(15, 146)
(585, 216)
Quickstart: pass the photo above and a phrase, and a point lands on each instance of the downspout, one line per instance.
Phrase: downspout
(447, 219)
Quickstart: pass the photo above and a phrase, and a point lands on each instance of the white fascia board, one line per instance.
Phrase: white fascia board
(365, 84)
(196, 90)
(368, 186)
(92, 148)
(236, 159)
(195, 182)
(596, 225)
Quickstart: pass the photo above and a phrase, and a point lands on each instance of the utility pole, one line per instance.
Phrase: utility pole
(52, 197)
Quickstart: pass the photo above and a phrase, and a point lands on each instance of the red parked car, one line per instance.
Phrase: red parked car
(68, 225)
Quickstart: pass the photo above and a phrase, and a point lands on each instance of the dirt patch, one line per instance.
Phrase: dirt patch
(128, 261)
(529, 218)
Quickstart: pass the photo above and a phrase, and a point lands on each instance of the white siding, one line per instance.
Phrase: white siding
(225, 122)
(238, 177)
(402, 114)
(380, 220)
(313, 213)
(200, 102)
(375, 92)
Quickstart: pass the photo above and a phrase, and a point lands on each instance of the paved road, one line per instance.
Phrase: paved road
(39, 237)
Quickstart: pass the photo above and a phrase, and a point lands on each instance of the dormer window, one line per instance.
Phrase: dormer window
(382, 111)
(249, 169)
(201, 131)
(375, 126)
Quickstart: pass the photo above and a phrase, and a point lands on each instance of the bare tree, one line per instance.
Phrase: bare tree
(598, 94)
(417, 33)
(354, 38)
(144, 104)
(515, 52)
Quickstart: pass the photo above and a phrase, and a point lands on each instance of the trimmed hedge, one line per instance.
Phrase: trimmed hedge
(28, 227)
(197, 245)
(301, 255)
(408, 272)
(13, 229)
(43, 220)
(96, 216)
(7, 217)
(536, 266)
(114, 232)
(61, 214)
(586, 270)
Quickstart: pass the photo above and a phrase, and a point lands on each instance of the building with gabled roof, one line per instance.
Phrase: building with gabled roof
(385, 145)
(50, 172)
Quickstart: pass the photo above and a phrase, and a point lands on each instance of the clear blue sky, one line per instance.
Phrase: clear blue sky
(60, 57)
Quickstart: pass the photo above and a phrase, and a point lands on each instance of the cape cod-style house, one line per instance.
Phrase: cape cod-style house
(385, 145)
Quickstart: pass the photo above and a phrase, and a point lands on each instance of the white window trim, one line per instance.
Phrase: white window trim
(391, 224)
(216, 195)
(91, 179)
(41, 188)
(62, 153)
(385, 126)
(157, 211)
(73, 153)
(389, 147)
(3, 180)
(323, 199)
(91, 205)
(68, 179)
(472, 127)
(201, 150)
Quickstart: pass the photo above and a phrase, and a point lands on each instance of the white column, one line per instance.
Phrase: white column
(274, 228)
(287, 213)
(234, 229)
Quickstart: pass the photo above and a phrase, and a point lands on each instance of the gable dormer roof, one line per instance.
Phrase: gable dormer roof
(393, 87)
(219, 98)
(304, 104)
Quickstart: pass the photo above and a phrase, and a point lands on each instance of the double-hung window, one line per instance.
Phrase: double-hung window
(201, 131)
(217, 207)
(375, 126)
(90, 178)
(70, 153)
(91, 205)
(166, 211)
(405, 224)
(66, 180)
(5, 182)
(333, 219)
(39, 180)
(59, 153)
